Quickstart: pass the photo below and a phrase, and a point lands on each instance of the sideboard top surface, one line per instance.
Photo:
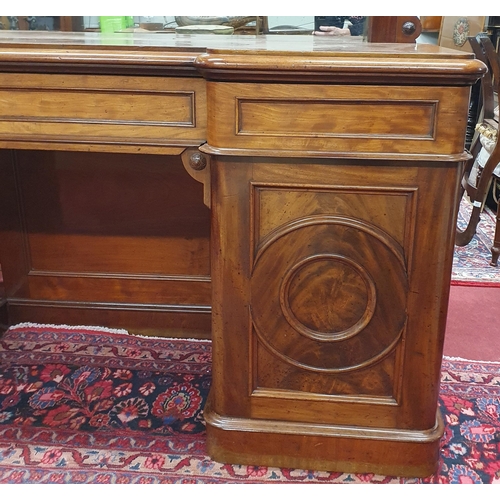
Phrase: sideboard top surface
(284, 44)
(272, 58)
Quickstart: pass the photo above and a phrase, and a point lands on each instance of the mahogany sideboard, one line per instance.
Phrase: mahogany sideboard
(292, 197)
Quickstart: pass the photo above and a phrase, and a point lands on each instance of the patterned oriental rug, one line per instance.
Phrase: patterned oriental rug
(92, 405)
(471, 264)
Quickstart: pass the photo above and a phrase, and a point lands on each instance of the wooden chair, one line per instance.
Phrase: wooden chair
(478, 171)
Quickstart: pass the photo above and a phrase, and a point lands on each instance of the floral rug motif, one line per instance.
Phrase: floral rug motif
(89, 405)
(471, 263)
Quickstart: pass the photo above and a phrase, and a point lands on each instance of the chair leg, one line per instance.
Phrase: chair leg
(463, 238)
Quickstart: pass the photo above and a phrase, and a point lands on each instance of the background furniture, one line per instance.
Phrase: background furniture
(479, 171)
(396, 29)
(493, 30)
(455, 31)
(44, 23)
(431, 24)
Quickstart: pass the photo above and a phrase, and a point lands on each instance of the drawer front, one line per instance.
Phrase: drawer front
(102, 109)
(338, 118)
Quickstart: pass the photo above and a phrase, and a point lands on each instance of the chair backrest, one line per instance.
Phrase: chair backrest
(485, 51)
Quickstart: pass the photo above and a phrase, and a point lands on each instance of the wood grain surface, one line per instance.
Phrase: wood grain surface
(293, 197)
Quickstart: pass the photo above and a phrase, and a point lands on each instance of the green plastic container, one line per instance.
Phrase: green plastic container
(112, 24)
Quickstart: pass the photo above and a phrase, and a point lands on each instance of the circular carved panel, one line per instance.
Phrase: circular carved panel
(329, 293)
(318, 282)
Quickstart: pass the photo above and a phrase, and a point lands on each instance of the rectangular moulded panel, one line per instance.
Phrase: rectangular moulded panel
(345, 118)
(325, 250)
(101, 109)
(102, 213)
(338, 118)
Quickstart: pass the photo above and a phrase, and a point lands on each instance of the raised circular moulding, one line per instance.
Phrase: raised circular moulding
(329, 293)
(328, 279)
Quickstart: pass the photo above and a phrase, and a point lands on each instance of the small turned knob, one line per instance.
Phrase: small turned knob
(409, 28)
(197, 161)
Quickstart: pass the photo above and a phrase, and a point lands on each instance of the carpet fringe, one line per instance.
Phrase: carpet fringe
(100, 329)
(70, 327)
(190, 339)
(453, 358)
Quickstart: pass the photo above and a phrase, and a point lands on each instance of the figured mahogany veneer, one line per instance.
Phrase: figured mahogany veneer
(144, 111)
(294, 197)
(359, 118)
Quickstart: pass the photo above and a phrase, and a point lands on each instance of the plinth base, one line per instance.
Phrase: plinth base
(391, 452)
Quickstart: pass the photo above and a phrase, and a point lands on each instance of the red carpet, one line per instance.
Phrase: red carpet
(473, 323)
